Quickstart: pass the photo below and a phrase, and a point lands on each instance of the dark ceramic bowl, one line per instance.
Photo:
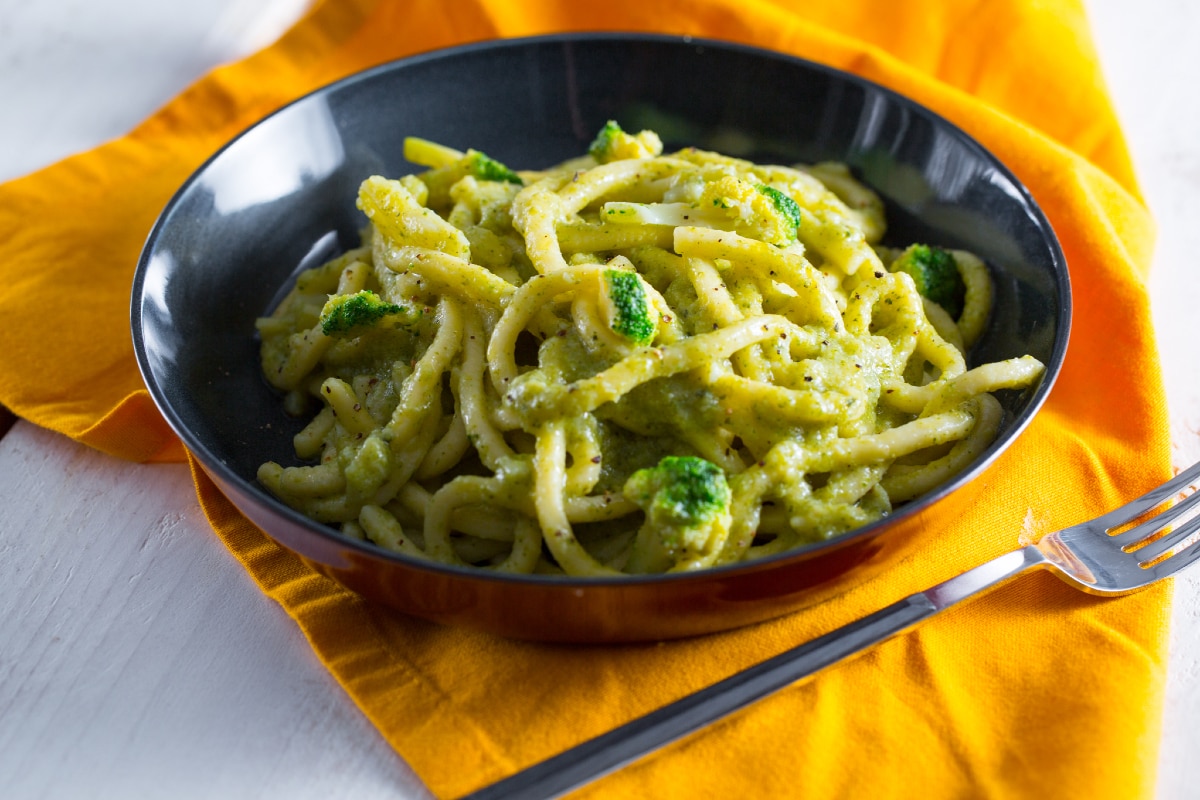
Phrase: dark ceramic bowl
(283, 194)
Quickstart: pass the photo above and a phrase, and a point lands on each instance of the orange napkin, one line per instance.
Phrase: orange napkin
(1034, 690)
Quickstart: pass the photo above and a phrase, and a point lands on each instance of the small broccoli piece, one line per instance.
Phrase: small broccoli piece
(345, 312)
(686, 501)
(628, 307)
(614, 144)
(785, 205)
(486, 168)
(603, 143)
(758, 214)
(936, 275)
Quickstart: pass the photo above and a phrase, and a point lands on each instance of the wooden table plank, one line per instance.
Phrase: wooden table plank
(140, 660)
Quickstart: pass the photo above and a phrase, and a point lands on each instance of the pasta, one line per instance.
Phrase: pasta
(633, 362)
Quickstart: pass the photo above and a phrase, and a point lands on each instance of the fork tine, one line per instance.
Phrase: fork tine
(1179, 561)
(1170, 540)
(1156, 523)
(1135, 508)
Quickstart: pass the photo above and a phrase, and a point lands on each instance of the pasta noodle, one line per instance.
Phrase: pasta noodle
(632, 362)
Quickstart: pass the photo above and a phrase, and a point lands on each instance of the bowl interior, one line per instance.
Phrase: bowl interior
(281, 197)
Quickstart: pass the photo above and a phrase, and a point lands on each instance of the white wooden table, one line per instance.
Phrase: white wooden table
(137, 659)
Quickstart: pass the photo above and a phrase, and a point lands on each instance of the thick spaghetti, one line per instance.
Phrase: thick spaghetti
(630, 363)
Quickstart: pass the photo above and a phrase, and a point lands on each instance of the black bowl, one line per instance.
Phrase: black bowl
(282, 195)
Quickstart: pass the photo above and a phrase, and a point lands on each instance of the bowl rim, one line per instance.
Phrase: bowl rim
(218, 470)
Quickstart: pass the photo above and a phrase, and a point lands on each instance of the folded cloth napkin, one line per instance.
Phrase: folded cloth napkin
(1034, 690)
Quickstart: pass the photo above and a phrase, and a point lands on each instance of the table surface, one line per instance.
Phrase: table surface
(138, 658)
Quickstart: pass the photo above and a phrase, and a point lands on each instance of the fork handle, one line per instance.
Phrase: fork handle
(610, 751)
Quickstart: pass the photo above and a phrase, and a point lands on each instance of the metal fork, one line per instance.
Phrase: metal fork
(1118, 553)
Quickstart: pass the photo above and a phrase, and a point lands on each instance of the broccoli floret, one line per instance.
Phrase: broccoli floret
(680, 490)
(936, 275)
(758, 214)
(345, 312)
(686, 501)
(785, 205)
(614, 144)
(726, 203)
(603, 143)
(486, 168)
(628, 306)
